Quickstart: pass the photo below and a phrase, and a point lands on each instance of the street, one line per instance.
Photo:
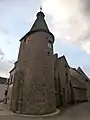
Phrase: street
(78, 112)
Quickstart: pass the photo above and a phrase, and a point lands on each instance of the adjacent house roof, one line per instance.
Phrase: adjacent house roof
(12, 70)
(63, 57)
(15, 65)
(77, 82)
(3, 80)
(82, 73)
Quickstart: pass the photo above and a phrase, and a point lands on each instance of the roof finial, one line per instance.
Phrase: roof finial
(40, 8)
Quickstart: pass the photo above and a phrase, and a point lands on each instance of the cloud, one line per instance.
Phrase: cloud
(86, 68)
(14, 16)
(2, 0)
(5, 67)
(3, 31)
(86, 7)
(1, 52)
(69, 21)
(86, 47)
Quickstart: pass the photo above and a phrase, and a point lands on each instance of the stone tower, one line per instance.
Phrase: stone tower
(33, 89)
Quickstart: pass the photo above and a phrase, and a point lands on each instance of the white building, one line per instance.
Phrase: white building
(3, 87)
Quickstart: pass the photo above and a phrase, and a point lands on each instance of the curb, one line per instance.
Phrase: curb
(37, 116)
(7, 112)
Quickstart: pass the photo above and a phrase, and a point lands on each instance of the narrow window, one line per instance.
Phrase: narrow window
(66, 74)
(49, 45)
(66, 77)
(48, 53)
(11, 79)
(65, 66)
(47, 37)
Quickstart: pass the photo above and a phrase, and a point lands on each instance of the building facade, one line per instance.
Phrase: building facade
(61, 79)
(79, 85)
(40, 80)
(3, 87)
(11, 80)
(33, 87)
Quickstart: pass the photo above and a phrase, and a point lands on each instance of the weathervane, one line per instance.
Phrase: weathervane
(40, 8)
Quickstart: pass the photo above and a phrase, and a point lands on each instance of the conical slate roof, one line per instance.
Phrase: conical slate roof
(40, 23)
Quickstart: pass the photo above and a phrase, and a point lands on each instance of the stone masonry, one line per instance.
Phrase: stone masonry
(33, 89)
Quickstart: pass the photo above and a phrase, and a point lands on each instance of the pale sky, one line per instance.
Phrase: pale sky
(68, 20)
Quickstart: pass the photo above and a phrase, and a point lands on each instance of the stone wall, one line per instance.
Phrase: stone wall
(36, 87)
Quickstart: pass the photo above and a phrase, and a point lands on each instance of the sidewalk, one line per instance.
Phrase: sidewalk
(4, 110)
